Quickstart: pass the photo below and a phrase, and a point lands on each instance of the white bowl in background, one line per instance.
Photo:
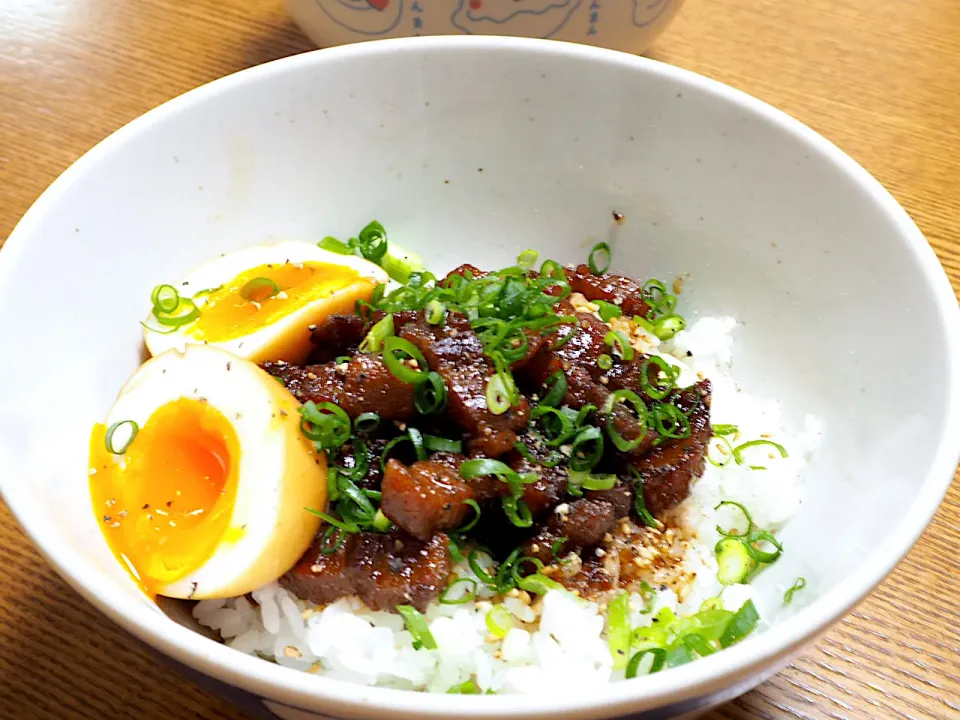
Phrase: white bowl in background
(470, 149)
(627, 25)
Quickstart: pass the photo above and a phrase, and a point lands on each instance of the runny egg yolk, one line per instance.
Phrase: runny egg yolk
(167, 503)
(247, 303)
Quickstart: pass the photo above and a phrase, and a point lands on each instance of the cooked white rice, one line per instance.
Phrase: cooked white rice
(559, 637)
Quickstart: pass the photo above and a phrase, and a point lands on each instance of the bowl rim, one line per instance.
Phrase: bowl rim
(690, 682)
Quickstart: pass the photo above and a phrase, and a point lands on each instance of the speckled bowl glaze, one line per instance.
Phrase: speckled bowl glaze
(627, 25)
(472, 149)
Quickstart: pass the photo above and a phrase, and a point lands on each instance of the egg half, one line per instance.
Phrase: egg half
(259, 302)
(208, 498)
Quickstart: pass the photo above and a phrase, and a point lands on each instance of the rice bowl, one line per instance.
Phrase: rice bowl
(838, 319)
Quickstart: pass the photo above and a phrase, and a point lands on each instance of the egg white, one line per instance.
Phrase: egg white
(288, 337)
(279, 473)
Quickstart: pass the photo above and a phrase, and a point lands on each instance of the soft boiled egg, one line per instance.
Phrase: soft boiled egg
(201, 477)
(259, 303)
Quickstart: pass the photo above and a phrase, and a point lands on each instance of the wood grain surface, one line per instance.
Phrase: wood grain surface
(879, 78)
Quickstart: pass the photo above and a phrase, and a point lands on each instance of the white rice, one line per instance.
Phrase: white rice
(559, 637)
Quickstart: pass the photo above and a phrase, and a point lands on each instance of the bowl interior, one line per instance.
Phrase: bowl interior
(473, 151)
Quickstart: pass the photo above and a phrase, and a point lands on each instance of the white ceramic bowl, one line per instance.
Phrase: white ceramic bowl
(627, 25)
(471, 149)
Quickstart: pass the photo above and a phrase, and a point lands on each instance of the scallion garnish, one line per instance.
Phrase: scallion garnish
(618, 629)
(538, 584)
(607, 311)
(625, 396)
(741, 625)
(734, 563)
(469, 687)
(556, 547)
(670, 422)
(723, 430)
(604, 362)
(127, 429)
(738, 451)
(499, 621)
(639, 504)
(331, 244)
(474, 520)
(620, 343)
(477, 570)
(435, 443)
(259, 289)
(454, 596)
(659, 656)
(434, 312)
(326, 424)
(798, 584)
(381, 330)
(517, 511)
(372, 242)
(750, 540)
(366, 423)
(587, 449)
(381, 523)
(430, 396)
(527, 258)
(556, 390)
(165, 298)
(663, 380)
(497, 395)
(417, 626)
(400, 369)
(599, 259)
(666, 327)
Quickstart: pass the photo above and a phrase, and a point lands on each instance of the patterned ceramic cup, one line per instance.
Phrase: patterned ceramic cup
(628, 25)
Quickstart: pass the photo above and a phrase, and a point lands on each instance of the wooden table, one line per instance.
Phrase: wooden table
(880, 79)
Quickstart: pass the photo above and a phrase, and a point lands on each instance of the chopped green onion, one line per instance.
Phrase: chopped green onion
(130, 429)
(752, 537)
(382, 329)
(396, 366)
(558, 425)
(517, 511)
(499, 621)
(325, 423)
(373, 242)
(666, 327)
(639, 504)
(607, 310)
(620, 343)
(482, 574)
(527, 258)
(259, 289)
(556, 547)
(430, 396)
(799, 584)
(538, 584)
(381, 523)
(413, 436)
(474, 520)
(659, 656)
(664, 377)
(721, 430)
(604, 362)
(417, 626)
(628, 396)
(446, 597)
(468, 687)
(619, 630)
(434, 312)
(164, 299)
(738, 451)
(582, 480)
(587, 449)
(557, 384)
(723, 448)
(670, 422)
(733, 561)
(599, 259)
(366, 423)
(553, 270)
(741, 625)
(331, 244)
(498, 397)
(660, 300)
(339, 524)
(400, 264)
(184, 314)
(478, 467)
(551, 461)
(435, 443)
